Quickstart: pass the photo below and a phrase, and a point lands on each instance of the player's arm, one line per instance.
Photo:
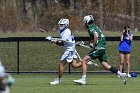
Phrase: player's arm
(57, 41)
(64, 38)
(95, 39)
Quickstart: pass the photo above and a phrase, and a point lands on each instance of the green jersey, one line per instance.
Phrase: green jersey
(101, 43)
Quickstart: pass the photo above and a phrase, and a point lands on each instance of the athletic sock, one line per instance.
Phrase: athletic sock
(119, 73)
(58, 79)
(83, 77)
(113, 69)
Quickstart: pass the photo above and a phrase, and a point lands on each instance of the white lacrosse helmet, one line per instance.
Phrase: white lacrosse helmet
(63, 23)
(88, 18)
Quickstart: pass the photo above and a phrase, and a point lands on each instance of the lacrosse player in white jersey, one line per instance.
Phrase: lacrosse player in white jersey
(68, 42)
(6, 80)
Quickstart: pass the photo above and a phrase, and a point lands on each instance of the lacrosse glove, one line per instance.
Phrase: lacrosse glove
(49, 38)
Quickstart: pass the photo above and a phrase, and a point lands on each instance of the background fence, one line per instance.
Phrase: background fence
(36, 55)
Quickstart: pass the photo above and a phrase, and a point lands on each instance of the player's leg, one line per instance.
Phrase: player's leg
(103, 60)
(128, 64)
(74, 55)
(114, 70)
(61, 70)
(84, 70)
(76, 64)
(92, 54)
(64, 59)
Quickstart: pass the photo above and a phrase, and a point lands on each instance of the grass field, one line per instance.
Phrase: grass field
(96, 83)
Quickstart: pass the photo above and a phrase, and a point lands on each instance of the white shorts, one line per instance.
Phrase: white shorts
(68, 56)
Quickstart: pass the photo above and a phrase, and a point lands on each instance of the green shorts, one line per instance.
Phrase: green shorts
(98, 53)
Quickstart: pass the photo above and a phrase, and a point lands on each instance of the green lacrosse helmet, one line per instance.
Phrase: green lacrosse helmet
(88, 18)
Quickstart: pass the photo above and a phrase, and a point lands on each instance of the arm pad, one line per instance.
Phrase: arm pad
(60, 43)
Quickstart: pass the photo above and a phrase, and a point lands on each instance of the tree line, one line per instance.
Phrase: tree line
(32, 15)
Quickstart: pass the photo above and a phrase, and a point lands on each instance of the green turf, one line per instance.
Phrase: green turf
(107, 83)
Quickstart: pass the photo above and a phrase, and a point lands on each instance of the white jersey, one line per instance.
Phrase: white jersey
(69, 45)
(67, 36)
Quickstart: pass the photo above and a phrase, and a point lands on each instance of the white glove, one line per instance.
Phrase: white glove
(10, 80)
(50, 38)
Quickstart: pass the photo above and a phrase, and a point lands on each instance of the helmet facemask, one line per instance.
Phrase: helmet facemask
(63, 24)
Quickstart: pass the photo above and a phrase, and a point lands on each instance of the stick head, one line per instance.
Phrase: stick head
(80, 43)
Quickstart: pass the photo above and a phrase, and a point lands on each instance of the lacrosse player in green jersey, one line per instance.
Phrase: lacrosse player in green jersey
(98, 50)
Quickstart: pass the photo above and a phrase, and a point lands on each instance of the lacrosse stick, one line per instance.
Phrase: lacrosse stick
(78, 55)
(82, 44)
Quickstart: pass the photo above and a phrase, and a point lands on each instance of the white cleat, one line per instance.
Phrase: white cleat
(80, 81)
(120, 76)
(55, 82)
(128, 75)
(124, 77)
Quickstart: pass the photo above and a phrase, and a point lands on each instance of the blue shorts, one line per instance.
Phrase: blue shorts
(124, 52)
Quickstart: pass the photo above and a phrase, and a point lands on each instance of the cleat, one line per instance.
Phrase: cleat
(128, 75)
(124, 77)
(55, 82)
(118, 76)
(80, 81)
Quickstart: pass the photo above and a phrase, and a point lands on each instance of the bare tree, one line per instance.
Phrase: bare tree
(71, 4)
(101, 13)
(132, 13)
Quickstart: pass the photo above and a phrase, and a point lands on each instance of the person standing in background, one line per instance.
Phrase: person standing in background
(125, 48)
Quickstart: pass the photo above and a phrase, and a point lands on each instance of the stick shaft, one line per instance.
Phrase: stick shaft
(78, 55)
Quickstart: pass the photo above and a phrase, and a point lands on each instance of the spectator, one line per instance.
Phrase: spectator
(125, 48)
